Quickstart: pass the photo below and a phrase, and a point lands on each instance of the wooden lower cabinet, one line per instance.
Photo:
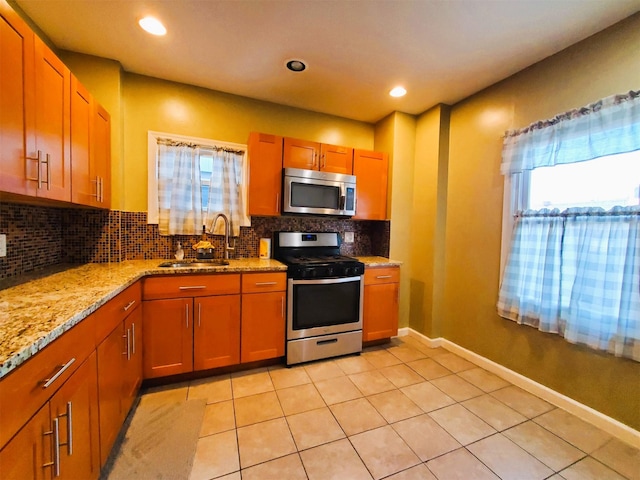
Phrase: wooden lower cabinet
(263, 326)
(26, 454)
(380, 311)
(61, 440)
(120, 376)
(168, 337)
(263, 316)
(216, 332)
(186, 334)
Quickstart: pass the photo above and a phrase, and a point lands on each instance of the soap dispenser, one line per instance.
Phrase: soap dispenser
(179, 252)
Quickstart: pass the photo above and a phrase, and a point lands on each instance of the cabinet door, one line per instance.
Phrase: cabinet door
(265, 174)
(216, 335)
(52, 123)
(84, 186)
(16, 102)
(132, 375)
(370, 169)
(111, 357)
(101, 155)
(380, 311)
(300, 154)
(336, 159)
(75, 406)
(168, 337)
(26, 455)
(263, 326)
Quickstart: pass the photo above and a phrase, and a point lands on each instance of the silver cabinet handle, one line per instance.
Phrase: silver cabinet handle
(131, 304)
(186, 315)
(97, 182)
(264, 284)
(69, 415)
(277, 202)
(55, 431)
(48, 162)
(380, 277)
(199, 313)
(282, 306)
(128, 352)
(48, 381)
(193, 287)
(133, 338)
(101, 199)
(38, 160)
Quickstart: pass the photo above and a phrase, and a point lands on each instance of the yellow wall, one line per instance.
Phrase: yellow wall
(153, 104)
(602, 65)
(428, 216)
(396, 135)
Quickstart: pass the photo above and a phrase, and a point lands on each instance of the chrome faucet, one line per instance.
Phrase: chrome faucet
(227, 248)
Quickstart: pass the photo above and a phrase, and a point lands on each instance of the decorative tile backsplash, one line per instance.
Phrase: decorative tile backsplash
(39, 237)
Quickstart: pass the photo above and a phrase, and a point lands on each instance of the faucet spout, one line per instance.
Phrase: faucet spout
(227, 248)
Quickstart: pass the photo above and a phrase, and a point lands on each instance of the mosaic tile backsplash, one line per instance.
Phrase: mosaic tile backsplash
(39, 237)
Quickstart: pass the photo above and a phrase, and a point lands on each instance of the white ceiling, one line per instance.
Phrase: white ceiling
(356, 50)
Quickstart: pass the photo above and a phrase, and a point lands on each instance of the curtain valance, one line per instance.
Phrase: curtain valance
(607, 127)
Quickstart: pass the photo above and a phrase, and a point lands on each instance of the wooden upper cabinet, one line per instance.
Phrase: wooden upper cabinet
(90, 149)
(300, 154)
(336, 159)
(101, 153)
(52, 124)
(317, 156)
(16, 103)
(371, 171)
(83, 190)
(265, 174)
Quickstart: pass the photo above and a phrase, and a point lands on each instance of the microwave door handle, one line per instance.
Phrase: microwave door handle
(343, 199)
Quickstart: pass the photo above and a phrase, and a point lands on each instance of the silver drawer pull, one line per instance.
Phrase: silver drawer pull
(49, 381)
(193, 287)
(131, 304)
(379, 277)
(69, 415)
(265, 284)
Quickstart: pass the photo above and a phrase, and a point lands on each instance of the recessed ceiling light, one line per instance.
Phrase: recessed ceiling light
(398, 92)
(153, 26)
(296, 65)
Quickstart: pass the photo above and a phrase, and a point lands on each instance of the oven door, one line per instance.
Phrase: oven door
(324, 306)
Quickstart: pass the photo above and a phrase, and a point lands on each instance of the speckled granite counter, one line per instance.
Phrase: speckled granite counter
(34, 313)
(379, 262)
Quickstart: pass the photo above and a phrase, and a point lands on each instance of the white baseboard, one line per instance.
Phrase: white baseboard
(588, 414)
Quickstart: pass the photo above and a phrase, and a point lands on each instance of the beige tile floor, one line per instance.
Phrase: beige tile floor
(402, 411)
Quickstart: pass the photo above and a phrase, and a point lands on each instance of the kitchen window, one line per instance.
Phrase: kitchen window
(571, 240)
(191, 180)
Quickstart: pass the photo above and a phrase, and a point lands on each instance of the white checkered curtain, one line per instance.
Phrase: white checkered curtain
(226, 193)
(576, 272)
(179, 189)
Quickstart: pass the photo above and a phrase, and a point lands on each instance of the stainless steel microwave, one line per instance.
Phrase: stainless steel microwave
(319, 193)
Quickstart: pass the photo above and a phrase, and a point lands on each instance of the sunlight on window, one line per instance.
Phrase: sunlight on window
(603, 182)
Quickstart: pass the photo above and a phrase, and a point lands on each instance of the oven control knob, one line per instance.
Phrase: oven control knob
(329, 271)
(348, 271)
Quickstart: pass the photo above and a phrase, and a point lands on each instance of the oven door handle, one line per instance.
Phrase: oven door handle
(326, 281)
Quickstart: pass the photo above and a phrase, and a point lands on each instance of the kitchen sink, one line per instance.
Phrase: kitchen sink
(193, 263)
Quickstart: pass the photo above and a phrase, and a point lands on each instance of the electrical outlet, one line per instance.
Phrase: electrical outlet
(3, 245)
(348, 237)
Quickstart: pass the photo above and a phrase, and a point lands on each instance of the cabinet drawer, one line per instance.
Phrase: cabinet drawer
(264, 282)
(116, 310)
(373, 276)
(176, 286)
(23, 391)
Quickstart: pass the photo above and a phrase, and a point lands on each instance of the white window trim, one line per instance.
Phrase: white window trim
(152, 167)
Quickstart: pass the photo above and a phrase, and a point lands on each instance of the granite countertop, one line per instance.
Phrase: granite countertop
(38, 308)
(36, 312)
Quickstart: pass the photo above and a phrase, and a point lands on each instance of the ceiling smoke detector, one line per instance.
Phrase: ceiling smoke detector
(296, 65)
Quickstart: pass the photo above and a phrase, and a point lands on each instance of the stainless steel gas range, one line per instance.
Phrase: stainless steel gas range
(324, 296)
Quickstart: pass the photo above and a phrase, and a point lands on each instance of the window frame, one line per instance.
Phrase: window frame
(152, 167)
